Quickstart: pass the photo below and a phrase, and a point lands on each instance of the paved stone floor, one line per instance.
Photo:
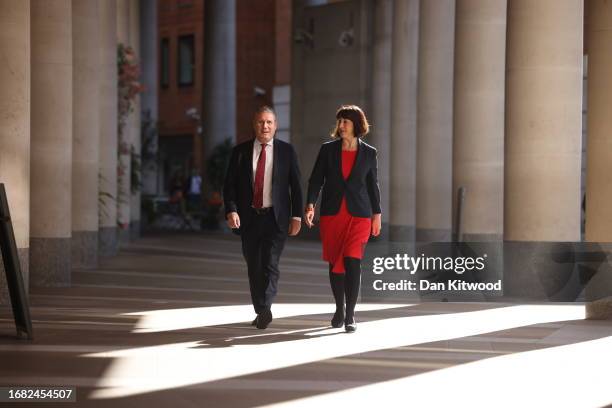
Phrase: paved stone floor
(166, 324)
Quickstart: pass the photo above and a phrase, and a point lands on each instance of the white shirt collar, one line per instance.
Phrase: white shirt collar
(258, 143)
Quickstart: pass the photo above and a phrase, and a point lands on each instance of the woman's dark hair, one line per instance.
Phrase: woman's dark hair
(355, 115)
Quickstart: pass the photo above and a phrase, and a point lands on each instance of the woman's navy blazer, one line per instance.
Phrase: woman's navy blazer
(360, 189)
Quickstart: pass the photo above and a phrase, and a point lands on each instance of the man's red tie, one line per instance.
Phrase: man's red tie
(259, 178)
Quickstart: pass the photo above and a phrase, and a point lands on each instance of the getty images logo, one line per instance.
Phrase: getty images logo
(404, 262)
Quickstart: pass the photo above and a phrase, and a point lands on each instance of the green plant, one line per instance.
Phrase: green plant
(148, 209)
(103, 197)
(135, 171)
(148, 130)
(217, 163)
(128, 86)
(216, 167)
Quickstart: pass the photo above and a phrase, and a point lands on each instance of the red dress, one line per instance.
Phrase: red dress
(344, 235)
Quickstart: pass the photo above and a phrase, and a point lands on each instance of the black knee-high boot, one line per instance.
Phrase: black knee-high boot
(352, 281)
(337, 285)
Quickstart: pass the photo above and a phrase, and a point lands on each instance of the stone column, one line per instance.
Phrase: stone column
(15, 126)
(51, 149)
(149, 99)
(543, 120)
(404, 70)
(123, 21)
(599, 143)
(85, 132)
(298, 58)
(219, 100)
(381, 100)
(435, 121)
(281, 91)
(542, 146)
(148, 55)
(136, 119)
(125, 129)
(108, 128)
(478, 145)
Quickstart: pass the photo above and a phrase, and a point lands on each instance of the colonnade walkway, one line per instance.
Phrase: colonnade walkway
(166, 323)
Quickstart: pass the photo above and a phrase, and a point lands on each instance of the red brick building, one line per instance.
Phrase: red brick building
(263, 61)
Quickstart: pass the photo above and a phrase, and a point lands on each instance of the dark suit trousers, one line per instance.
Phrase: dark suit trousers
(262, 245)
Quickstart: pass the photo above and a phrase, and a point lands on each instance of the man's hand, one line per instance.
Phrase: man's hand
(294, 227)
(309, 215)
(233, 220)
(376, 224)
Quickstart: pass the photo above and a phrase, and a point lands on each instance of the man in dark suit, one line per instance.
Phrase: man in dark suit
(263, 203)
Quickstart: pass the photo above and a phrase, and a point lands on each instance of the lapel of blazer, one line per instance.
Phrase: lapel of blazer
(276, 160)
(249, 161)
(358, 160)
(338, 158)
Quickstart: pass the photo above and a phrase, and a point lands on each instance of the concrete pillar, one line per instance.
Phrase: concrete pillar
(599, 145)
(298, 60)
(123, 21)
(149, 98)
(404, 74)
(148, 55)
(85, 132)
(542, 146)
(543, 120)
(599, 142)
(381, 100)
(435, 121)
(15, 126)
(281, 92)
(134, 26)
(51, 149)
(219, 101)
(107, 238)
(125, 129)
(478, 144)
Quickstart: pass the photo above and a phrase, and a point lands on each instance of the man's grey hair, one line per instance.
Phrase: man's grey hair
(264, 109)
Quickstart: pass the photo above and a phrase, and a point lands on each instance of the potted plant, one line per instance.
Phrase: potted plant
(216, 166)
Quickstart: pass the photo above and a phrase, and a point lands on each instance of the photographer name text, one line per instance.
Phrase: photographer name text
(424, 284)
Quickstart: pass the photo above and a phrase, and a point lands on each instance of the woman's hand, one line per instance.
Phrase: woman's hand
(309, 215)
(376, 224)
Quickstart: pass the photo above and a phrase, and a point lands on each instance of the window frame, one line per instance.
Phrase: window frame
(164, 62)
(190, 38)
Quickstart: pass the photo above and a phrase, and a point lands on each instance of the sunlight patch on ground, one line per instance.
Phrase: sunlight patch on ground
(575, 375)
(179, 319)
(168, 366)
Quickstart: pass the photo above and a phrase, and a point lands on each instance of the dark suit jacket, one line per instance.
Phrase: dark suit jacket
(286, 184)
(361, 187)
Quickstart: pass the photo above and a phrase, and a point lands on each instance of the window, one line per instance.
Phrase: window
(186, 60)
(164, 71)
(184, 4)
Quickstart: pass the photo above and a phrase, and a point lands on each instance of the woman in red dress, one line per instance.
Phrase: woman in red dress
(346, 170)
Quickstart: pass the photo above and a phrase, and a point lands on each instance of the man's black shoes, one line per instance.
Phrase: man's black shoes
(263, 319)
